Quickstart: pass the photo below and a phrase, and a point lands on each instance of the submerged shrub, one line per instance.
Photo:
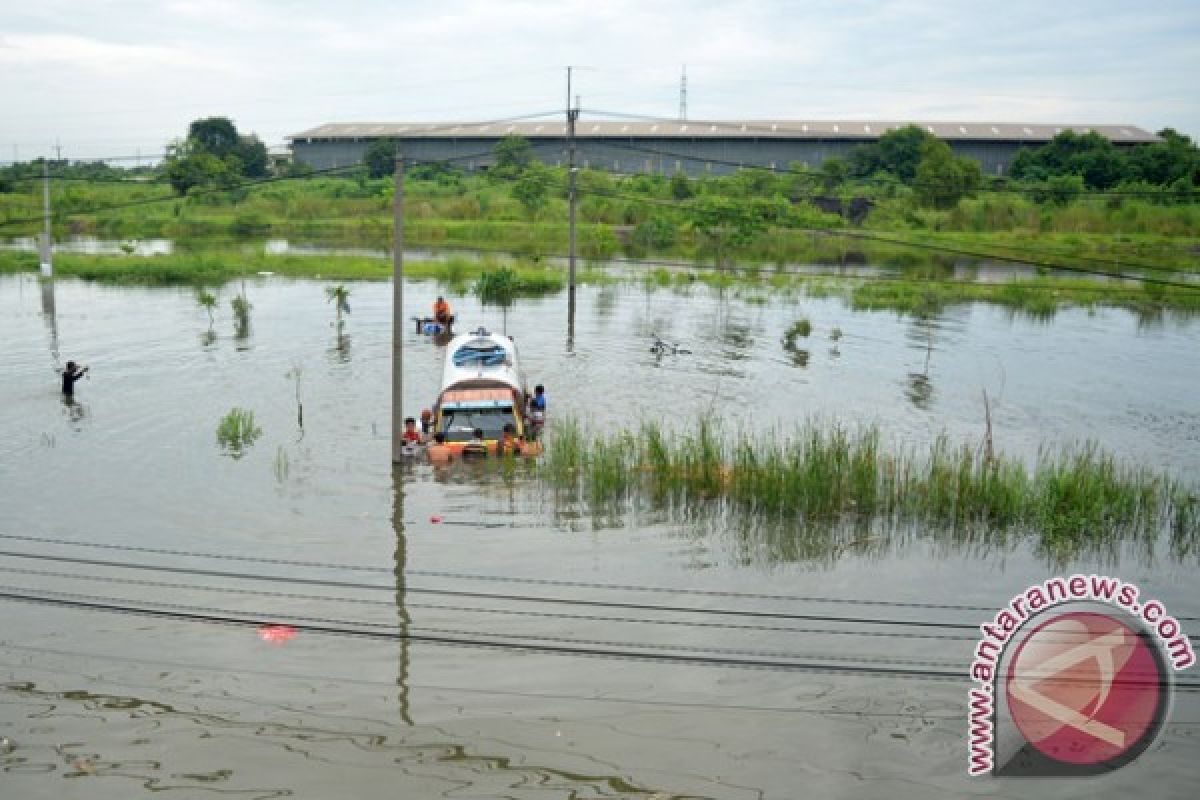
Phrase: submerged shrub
(237, 431)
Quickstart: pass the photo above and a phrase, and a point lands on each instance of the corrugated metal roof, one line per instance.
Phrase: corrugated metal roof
(719, 129)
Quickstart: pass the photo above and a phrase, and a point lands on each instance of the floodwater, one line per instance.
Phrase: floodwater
(99, 702)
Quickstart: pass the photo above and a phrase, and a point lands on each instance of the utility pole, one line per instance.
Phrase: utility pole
(398, 311)
(572, 115)
(683, 95)
(47, 265)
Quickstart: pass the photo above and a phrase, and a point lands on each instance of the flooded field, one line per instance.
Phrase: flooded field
(392, 578)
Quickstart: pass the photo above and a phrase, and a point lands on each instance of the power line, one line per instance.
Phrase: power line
(535, 599)
(540, 614)
(492, 578)
(492, 644)
(277, 616)
(567, 601)
(546, 648)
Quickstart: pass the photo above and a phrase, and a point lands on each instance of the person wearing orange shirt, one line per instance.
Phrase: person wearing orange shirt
(441, 311)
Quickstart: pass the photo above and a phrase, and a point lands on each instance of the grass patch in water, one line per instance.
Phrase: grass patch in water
(236, 432)
(1039, 296)
(1070, 499)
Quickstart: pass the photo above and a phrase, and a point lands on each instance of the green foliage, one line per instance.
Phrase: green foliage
(658, 232)
(340, 297)
(502, 285)
(1059, 190)
(513, 154)
(380, 158)
(898, 152)
(236, 432)
(941, 179)
(833, 174)
(731, 224)
(1102, 165)
(681, 187)
(214, 154)
(208, 301)
(800, 328)
(241, 315)
(532, 189)
(215, 135)
(1073, 499)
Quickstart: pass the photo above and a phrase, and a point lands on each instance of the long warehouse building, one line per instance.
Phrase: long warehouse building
(693, 147)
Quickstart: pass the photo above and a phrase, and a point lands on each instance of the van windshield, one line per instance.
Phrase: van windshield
(459, 424)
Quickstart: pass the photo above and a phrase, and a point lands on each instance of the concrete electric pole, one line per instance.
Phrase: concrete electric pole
(572, 200)
(398, 311)
(47, 265)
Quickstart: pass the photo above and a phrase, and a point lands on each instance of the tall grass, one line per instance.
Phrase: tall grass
(237, 431)
(828, 474)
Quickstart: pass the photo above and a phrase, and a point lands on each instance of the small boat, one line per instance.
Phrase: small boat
(483, 387)
(431, 327)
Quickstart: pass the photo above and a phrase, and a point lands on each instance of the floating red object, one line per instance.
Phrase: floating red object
(276, 634)
(435, 519)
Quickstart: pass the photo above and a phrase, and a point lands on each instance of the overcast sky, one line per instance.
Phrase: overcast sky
(122, 77)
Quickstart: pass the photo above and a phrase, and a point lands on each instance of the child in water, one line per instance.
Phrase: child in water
(411, 436)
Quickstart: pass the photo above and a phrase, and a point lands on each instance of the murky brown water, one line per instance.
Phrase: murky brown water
(104, 705)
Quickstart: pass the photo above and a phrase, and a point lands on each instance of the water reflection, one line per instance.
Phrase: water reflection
(570, 347)
(919, 386)
(403, 617)
(339, 353)
(433, 763)
(74, 411)
(919, 390)
(50, 315)
(241, 319)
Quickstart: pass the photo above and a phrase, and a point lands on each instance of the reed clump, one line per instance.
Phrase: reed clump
(237, 431)
(827, 473)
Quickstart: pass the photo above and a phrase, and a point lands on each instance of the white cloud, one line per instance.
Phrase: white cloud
(42, 49)
(139, 69)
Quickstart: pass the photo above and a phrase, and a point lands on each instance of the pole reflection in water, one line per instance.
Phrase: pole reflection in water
(920, 386)
(571, 322)
(50, 314)
(404, 619)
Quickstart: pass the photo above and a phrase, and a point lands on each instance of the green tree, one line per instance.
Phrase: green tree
(513, 154)
(253, 155)
(340, 297)
(681, 187)
(833, 173)
(188, 165)
(897, 152)
(942, 179)
(1089, 155)
(729, 224)
(1167, 162)
(217, 135)
(532, 189)
(380, 158)
(208, 301)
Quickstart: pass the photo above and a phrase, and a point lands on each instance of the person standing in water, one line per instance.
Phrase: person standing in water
(72, 373)
(441, 311)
